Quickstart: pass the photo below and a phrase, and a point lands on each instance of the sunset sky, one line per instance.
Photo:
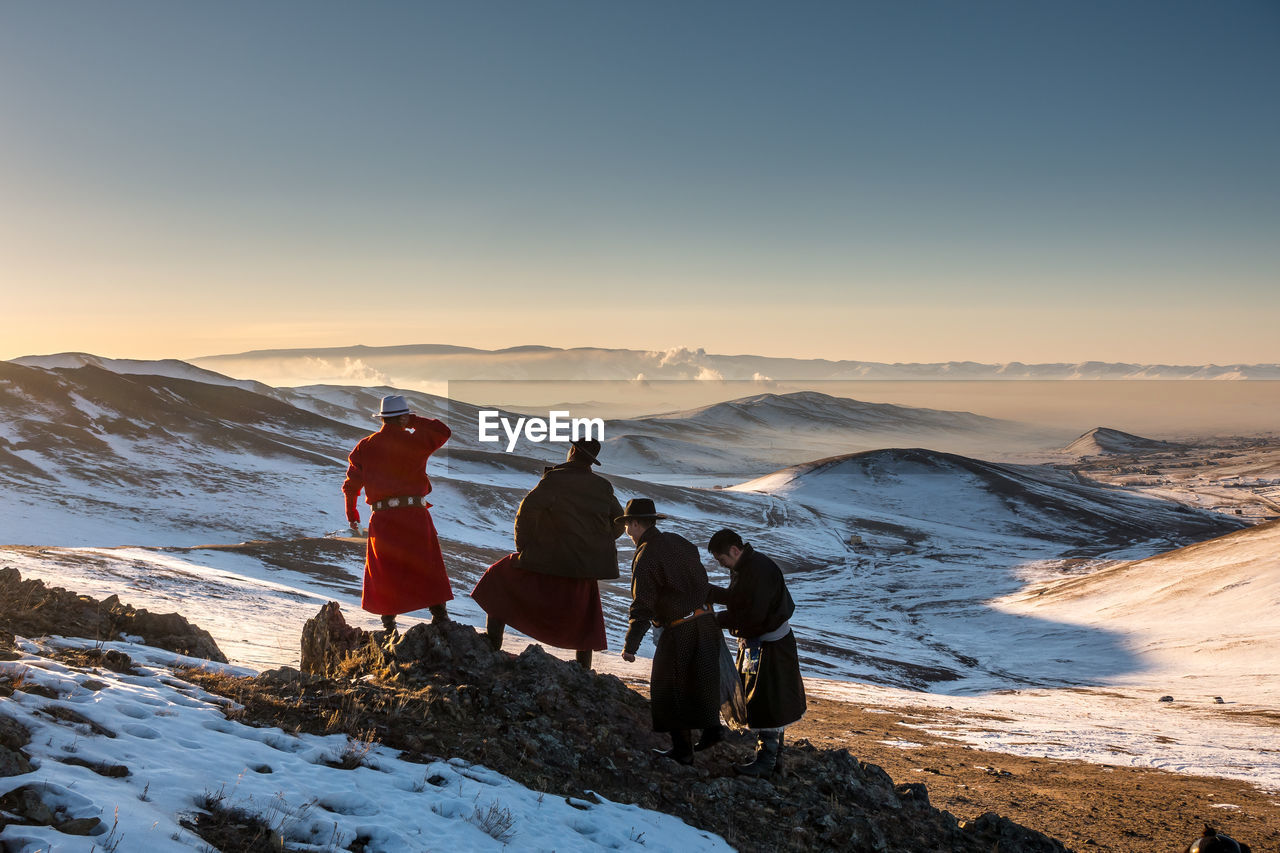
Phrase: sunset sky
(882, 181)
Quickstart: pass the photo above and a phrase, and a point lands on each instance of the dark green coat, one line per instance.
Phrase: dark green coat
(566, 527)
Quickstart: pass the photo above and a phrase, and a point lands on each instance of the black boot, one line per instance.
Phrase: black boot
(710, 737)
(766, 760)
(438, 614)
(493, 630)
(584, 658)
(681, 747)
(389, 623)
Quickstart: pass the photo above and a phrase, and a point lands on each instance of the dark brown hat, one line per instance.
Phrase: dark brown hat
(589, 448)
(640, 508)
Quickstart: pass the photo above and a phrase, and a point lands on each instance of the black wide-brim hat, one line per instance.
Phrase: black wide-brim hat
(640, 508)
(590, 448)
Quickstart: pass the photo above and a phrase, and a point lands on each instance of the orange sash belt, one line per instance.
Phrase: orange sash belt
(701, 611)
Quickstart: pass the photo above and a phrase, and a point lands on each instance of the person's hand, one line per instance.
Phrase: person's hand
(355, 527)
(628, 657)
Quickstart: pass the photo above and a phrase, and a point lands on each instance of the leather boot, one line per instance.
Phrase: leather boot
(584, 658)
(710, 737)
(438, 614)
(766, 760)
(493, 630)
(681, 750)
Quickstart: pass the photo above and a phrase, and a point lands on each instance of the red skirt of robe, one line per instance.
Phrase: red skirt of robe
(560, 612)
(403, 567)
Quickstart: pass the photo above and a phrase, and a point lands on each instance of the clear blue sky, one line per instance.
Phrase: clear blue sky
(890, 181)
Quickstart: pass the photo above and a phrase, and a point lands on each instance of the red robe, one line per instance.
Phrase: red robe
(561, 612)
(403, 567)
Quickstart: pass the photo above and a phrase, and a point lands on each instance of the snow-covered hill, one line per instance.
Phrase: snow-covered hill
(91, 455)
(771, 430)
(1217, 600)
(962, 494)
(1101, 441)
(170, 367)
(813, 410)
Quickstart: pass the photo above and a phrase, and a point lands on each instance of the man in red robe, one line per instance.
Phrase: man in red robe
(403, 567)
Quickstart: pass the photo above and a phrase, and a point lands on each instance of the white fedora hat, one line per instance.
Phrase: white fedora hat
(393, 406)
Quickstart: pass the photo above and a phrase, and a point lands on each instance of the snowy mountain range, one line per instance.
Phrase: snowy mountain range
(412, 366)
(875, 542)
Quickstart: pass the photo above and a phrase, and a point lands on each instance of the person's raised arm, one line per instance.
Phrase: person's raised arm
(429, 431)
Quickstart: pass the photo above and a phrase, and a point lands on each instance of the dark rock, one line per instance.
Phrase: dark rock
(79, 826)
(13, 734)
(30, 608)
(1000, 833)
(327, 639)
(119, 661)
(40, 690)
(913, 793)
(167, 631)
(27, 804)
(286, 675)
(108, 659)
(13, 762)
(446, 645)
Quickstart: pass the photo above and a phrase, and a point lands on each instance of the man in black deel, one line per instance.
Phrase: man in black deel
(669, 590)
(758, 607)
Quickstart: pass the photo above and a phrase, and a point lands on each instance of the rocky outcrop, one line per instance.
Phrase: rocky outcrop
(32, 609)
(994, 832)
(559, 728)
(327, 639)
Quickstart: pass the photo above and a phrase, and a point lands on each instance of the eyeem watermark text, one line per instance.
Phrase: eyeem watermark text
(557, 427)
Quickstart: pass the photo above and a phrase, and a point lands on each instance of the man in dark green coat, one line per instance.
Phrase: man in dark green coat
(757, 611)
(565, 532)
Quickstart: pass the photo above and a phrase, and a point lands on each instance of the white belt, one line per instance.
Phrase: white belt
(408, 500)
(776, 634)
